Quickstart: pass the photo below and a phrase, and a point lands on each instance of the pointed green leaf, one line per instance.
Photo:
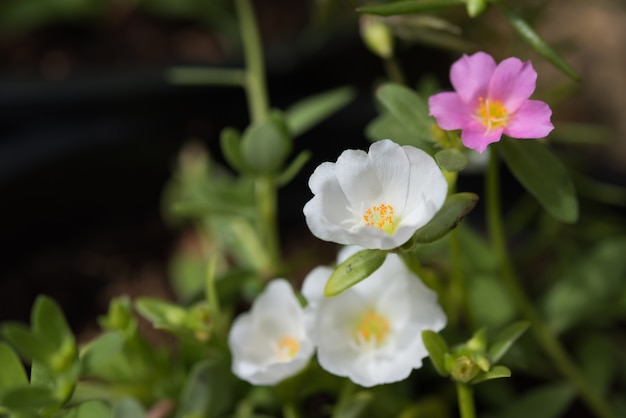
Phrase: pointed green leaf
(28, 397)
(356, 268)
(534, 40)
(408, 108)
(293, 168)
(354, 407)
(386, 126)
(455, 208)
(497, 372)
(266, 145)
(543, 175)
(230, 141)
(437, 349)
(452, 160)
(160, 313)
(309, 112)
(13, 373)
(505, 339)
(408, 7)
(27, 344)
(48, 321)
(100, 352)
(127, 408)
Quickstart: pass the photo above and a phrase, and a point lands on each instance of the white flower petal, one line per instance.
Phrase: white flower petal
(358, 179)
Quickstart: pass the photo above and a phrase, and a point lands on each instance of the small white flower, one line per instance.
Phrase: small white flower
(371, 333)
(376, 200)
(269, 343)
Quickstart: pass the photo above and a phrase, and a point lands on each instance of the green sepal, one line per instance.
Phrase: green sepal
(496, 372)
(13, 374)
(408, 108)
(230, 142)
(455, 208)
(475, 7)
(356, 268)
(119, 317)
(266, 145)
(293, 168)
(408, 7)
(505, 339)
(310, 111)
(452, 160)
(437, 349)
(543, 175)
(539, 45)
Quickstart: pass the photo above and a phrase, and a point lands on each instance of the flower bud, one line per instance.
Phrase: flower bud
(377, 36)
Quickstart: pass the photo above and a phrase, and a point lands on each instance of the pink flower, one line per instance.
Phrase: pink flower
(491, 100)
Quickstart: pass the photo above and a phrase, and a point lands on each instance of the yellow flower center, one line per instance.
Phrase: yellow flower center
(288, 347)
(372, 328)
(492, 113)
(382, 217)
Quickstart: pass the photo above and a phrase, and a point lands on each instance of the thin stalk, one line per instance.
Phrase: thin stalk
(256, 90)
(465, 398)
(544, 335)
(394, 71)
(267, 198)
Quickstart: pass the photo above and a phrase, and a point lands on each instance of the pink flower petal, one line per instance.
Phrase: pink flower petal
(449, 110)
(478, 139)
(532, 120)
(512, 83)
(470, 76)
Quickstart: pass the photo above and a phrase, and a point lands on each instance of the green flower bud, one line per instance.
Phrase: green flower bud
(377, 36)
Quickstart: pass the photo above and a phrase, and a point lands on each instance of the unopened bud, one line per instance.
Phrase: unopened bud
(377, 36)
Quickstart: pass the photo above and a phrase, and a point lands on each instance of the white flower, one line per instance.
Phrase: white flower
(371, 333)
(269, 343)
(376, 200)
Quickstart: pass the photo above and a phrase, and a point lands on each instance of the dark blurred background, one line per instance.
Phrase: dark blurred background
(90, 127)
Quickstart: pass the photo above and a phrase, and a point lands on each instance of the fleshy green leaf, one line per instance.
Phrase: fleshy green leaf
(309, 112)
(408, 108)
(28, 397)
(497, 372)
(355, 406)
(387, 125)
(356, 268)
(13, 373)
(266, 145)
(127, 408)
(29, 345)
(452, 160)
(437, 349)
(408, 7)
(534, 40)
(100, 351)
(455, 208)
(161, 314)
(543, 175)
(48, 321)
(230, 141)
(293, 168)
(505, 339)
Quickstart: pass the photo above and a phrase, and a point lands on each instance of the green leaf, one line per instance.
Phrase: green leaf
(100, 352)
(48, 323)
(207, 391)
(408, 7)
(497, 372)
(437, 349)
(309, 112)
(161, 314)
(127, 408)
(29, 345)
(597, 356)
(89, 409)
(409, 109)
(293, 168)
(266, 145)
(13, 373)
(387, 125)
(210, 76)
(230, 141)
(550, 401)
(28, 397)
(543, 175)
(476, 7)
(452, 160)
(505, 339)
(539, 45)
(356, 268)
(455, 208)
(354, 407)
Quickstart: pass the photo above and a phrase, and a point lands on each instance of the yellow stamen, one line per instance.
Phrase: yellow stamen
(492, 113)
(288, 347)
(382, 217)
(373, 328)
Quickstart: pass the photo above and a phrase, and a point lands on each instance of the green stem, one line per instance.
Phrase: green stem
(545, 337)
(465, 397)
(258, 103)
(211, 76)
(394, 71)
(268, 212)
(211, 291)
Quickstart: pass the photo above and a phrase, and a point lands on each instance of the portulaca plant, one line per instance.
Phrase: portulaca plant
(422, 312)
